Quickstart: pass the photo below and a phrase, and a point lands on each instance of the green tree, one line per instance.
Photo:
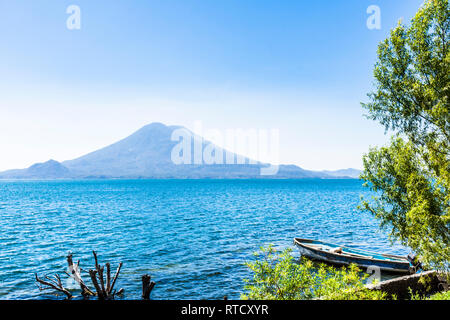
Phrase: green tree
(411, 176)
(278, 277)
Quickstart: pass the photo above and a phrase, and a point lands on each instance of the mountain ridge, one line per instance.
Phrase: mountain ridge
(147, 154)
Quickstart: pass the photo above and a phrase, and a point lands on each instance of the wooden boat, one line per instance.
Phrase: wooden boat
(340, 255)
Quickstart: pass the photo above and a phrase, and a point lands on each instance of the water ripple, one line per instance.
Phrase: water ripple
(193, 237)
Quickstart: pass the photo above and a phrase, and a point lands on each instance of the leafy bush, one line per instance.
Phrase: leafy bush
(277, 276)
(440, 296)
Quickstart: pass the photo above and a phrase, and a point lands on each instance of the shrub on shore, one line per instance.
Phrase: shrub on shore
(440, 296)
(277, 276)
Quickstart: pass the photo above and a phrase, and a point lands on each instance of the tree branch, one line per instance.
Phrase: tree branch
(56, 285)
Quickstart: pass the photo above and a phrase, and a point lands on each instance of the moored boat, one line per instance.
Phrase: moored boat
(341, 255)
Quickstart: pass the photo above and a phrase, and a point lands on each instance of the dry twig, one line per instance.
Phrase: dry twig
(55, 284)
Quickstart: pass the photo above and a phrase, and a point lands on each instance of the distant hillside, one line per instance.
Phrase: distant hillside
(351, 173)
(48, 170)
(147, 154)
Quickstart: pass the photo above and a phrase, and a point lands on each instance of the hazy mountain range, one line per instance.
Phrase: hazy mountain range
(147, 154)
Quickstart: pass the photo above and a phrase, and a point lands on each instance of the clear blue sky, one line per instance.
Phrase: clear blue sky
(300, 66)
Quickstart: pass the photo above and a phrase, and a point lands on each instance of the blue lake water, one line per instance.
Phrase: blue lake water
(191, 236)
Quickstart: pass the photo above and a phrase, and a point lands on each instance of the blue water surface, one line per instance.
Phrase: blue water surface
(192, 236)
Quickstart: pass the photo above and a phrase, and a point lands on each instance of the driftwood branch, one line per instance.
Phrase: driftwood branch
(103, 283)
(147, 286)
(104, 291)
(76, 275)
(108, 277)
(120, 292)
(115, 277)
(55, 284)
(93, 275)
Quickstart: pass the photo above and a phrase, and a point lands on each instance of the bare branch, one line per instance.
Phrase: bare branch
(56, 285)
(75, 270)
(93, 275)
(102, 282)
(108, 277)
(96, 260)
(115, 277)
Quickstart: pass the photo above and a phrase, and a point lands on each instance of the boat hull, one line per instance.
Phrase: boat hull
(402, 267)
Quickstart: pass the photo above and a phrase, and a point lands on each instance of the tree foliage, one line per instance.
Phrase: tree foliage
(278, 277)
(411, 175)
